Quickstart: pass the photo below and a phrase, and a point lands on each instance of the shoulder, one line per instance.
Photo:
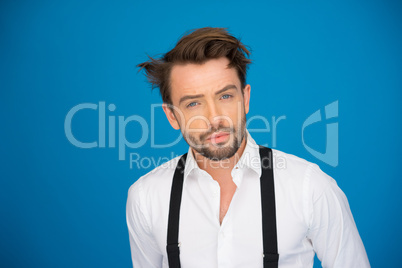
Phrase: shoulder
(286, 160)
(155, 182)
(302, 182)
(148, 198)
(308, 173)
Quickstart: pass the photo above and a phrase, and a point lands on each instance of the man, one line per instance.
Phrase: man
(219, 205)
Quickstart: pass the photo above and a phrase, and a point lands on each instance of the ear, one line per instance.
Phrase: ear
(168, 109)
(246, 97)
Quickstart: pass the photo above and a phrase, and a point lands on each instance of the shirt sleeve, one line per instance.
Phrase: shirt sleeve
(144, 250)
(332, 229)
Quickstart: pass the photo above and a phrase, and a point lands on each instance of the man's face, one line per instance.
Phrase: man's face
(209, 107)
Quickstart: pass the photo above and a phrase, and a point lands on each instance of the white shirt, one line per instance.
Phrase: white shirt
(312, 213)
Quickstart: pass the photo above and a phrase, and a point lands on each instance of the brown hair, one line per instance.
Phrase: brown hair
(197, 46)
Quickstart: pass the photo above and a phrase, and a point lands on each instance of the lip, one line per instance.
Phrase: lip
(218, 137)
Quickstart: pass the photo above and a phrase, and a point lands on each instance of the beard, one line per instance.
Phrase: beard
(222, 150)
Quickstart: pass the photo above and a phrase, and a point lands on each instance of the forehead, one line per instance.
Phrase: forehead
(203, 78)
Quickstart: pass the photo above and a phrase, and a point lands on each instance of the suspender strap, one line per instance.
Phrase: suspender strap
(172, 247)
(269, 236)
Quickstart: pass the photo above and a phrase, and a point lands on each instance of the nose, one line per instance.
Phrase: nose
(214, 115)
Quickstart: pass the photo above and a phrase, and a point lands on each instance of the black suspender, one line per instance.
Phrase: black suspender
(269, 237)
(269, 234)
(172, 248)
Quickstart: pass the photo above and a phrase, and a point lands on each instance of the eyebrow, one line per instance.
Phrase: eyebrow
(189, 97)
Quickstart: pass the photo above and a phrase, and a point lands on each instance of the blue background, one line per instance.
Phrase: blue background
(63, 206)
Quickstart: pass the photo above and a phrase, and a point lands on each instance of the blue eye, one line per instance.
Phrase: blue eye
(226, 96)
(192, 104)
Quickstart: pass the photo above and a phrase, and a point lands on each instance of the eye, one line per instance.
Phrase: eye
(226, 96)
(192, 104)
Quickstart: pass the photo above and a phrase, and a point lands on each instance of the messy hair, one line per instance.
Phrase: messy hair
(197, 46)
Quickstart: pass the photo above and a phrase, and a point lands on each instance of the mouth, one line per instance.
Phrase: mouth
(218, 137)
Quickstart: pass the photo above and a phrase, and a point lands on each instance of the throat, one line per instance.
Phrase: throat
(228, 190)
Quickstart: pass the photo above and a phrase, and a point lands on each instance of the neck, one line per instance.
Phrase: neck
(221, 168)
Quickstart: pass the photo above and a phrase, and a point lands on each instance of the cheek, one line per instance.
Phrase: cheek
(233, 118)
(235, 109)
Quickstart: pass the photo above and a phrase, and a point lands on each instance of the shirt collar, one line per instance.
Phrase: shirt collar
(249, 159)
